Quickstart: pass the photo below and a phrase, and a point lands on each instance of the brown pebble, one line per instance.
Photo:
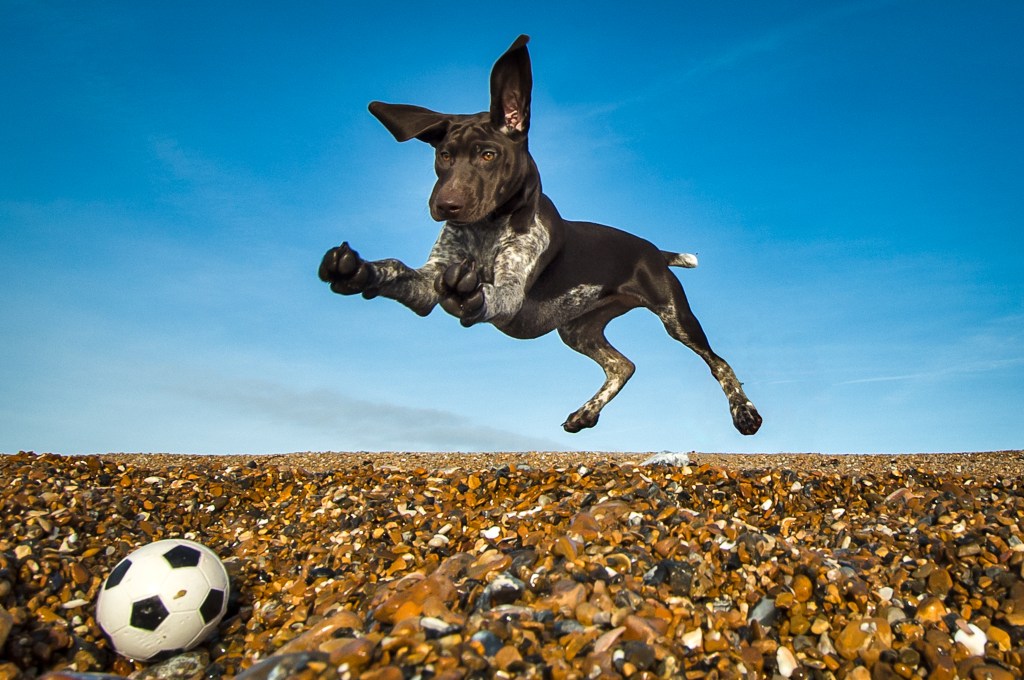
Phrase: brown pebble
(990, 672)
(565, 547)
(383, 673)
(853, 638)
(586, 612)
(716, 642)
(643, 629)
(939, 662)
(1000, 638)
(507, 656)
(930, 610)
(667, 546)
(354, 653)
(6, 624)
(79, 574)
(605, 642)
(939, 582)
(752, 658)
(324, 630)
(803, 588)
(566, 596)
(490, 562)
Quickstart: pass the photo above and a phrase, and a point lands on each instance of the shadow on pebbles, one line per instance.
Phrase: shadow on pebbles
(401, 566)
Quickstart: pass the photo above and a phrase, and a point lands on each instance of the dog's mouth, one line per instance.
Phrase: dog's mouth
(459, 220)
(463, 222)
(469, 220)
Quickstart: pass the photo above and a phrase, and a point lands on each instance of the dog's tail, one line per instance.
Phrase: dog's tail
(687, 260)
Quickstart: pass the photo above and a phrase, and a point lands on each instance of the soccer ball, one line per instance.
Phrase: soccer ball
(165, 597)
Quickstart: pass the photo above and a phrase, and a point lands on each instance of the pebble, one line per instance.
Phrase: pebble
(282, 666)
(973, 638)
(786, 662)
(6, 624)
(188, 666)
(764, 612)
(386, 566)
(505, 589)
(931, 610)
(490, 644)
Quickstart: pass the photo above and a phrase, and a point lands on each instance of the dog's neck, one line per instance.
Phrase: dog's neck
(524, 204)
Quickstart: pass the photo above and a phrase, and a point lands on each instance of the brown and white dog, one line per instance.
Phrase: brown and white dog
(505, 256)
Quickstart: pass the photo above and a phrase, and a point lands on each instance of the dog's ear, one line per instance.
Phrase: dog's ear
(405, 122)
(511, 84)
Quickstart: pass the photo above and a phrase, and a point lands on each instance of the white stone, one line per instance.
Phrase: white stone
(668, 458)
(786, 661)
(973, 638)
(491, 533)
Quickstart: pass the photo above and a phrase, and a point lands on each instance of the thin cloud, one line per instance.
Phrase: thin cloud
(741, 52)
(356, 424)
(965, 369)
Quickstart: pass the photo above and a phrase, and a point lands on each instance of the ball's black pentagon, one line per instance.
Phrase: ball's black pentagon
(182, 556)
(148, 614)
(117, 574)
(211, 605)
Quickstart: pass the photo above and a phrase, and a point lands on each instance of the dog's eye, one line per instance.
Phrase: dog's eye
(488, 155)
(444, 156)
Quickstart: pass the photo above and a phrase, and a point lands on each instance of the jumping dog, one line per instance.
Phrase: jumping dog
(506, 257)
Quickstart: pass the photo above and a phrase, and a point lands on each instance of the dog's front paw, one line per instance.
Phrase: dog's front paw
(347, 273)
(461, 292)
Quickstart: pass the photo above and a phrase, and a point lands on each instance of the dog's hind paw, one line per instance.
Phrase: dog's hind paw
(460, 291)
(580, 420)
(347, 273)
(746, 418)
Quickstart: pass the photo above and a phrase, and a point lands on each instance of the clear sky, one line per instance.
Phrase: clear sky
(850, 174)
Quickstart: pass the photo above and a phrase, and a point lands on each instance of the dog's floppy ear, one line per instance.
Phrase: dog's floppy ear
(405, 122)
(511, 84)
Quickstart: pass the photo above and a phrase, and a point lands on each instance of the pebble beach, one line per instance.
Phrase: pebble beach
(398, 566)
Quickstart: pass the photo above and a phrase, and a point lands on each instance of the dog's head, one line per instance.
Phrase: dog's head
(483, 166)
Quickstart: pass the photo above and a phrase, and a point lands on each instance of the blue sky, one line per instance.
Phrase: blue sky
(171, 173)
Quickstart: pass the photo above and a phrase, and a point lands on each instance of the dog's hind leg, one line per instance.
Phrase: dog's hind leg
(682, 325)
(586, 335)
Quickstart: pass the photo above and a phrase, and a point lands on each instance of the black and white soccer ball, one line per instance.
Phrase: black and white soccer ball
(163, 598)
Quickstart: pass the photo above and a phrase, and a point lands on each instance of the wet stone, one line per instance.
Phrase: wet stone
(634, 656)
(991, 672)
(61, 675)
(188, 666)
(283, 666)
(489, 643)
(931, 610)
(765, 612)
(437, 628)
(6, 624)
(677, 575)
(505, 589)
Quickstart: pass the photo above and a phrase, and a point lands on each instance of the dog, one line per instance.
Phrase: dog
(506, 257)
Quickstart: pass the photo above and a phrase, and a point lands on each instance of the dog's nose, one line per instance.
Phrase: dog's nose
(448, 208)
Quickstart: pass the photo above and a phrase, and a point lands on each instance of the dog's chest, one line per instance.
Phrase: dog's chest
(483, 244)
(501, 252)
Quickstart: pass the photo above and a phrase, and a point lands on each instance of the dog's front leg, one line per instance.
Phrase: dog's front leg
(460, 291)
(466, 292)
(349, 274)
